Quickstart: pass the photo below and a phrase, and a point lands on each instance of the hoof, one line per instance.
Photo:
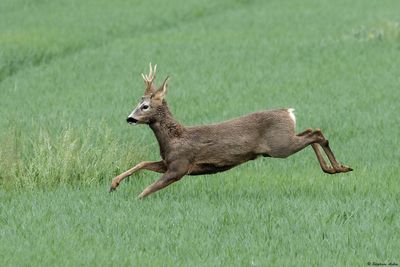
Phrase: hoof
(113, 186)
(329, 170)
(344, 168)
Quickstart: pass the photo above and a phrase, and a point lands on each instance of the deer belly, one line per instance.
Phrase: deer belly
(208, 168)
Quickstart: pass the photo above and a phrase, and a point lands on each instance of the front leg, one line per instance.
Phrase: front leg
(156, 166)
(176, 170)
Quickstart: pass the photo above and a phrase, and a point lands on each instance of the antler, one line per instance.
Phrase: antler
(149, 79)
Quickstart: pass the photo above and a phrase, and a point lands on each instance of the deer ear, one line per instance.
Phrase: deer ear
(162, 91)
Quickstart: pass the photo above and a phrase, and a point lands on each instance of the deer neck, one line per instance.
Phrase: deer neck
(165, 128)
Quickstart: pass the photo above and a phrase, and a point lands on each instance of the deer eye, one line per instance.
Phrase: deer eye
(144, 107)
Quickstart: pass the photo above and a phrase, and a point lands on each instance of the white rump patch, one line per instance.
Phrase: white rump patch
(291, 114)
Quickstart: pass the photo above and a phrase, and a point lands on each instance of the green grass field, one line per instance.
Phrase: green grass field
(70, 75)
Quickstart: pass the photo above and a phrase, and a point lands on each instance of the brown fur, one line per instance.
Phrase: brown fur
(219, 147)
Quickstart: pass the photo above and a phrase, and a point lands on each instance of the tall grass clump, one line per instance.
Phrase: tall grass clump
(70, 157)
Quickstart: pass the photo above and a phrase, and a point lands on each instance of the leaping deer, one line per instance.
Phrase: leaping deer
(213, 148)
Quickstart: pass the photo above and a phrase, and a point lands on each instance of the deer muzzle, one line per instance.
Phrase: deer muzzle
(131, 120)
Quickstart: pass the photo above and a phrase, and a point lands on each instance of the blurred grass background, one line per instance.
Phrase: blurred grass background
(70, 74)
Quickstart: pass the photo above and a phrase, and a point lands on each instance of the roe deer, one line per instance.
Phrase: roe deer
(219, 147)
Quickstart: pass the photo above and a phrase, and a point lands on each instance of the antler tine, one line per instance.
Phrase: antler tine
(149, 79)
(151, 70)
(154, 74)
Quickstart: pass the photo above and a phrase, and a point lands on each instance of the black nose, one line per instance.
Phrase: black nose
(131, 120)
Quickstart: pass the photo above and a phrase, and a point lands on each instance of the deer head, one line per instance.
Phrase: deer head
(147, 110)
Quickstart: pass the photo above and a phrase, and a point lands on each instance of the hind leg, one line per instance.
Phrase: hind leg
(284, 146)
(325, 167)
(324, 143)
(305, 132)
(316, 139)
